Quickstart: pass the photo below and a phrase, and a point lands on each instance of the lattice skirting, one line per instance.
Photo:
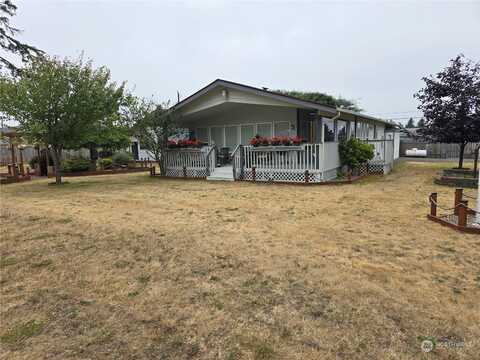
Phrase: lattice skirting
(281, 176)
(189, 172)
(374, 168)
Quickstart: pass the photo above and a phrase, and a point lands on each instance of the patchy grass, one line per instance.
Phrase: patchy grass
(129, 266)
(21, 332)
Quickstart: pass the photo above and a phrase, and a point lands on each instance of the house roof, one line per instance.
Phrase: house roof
(271, 94)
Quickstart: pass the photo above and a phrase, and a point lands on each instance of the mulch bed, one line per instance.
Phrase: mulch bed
(103, 172)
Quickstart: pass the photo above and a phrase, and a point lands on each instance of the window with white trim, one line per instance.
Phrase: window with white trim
(264, 129)
(282, 128)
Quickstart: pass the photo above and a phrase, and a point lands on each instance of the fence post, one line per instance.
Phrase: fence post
(306, 176)
(184, 171)
(254, 175)
(462, 213)
(458, 198)
(433, 204)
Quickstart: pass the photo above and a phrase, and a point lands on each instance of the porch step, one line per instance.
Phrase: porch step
(224, 173)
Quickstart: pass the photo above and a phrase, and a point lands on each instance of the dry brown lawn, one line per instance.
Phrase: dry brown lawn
(133, 267)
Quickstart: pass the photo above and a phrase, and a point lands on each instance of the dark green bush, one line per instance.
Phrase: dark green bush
(75, 165)
(33, 161)
(121, 158)
(354, 152)
(105, 163)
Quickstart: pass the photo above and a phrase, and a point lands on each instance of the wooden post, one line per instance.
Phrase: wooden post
(15, 171)
(433, 204)
(22, 167)
(458, 198)
(254, 174)
(306, 177)
(12, 150)
(462, 213)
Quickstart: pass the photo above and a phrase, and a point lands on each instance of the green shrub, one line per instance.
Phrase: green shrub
(121, 158)
(33, 161)
(354, 152)
(75, 165)
(105, 163)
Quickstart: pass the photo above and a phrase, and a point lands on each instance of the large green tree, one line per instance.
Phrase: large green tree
(154, 126)
(450, 102)
(8, 39)
(322, 98)
(60, 103)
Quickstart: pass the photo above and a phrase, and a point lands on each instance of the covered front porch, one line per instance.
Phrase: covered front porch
(303, 137)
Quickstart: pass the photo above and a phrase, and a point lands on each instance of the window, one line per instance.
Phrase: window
(202, 135)
(217, 136)
(247, 133)
(375, 131)
(282, 128)
(341, 130)
(328, 130)
(264, 129)
(231, 137)
(370, 134)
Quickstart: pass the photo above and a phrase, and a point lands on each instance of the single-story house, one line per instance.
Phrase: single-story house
(227, 115)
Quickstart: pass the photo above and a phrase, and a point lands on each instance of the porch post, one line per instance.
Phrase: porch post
(242, 162)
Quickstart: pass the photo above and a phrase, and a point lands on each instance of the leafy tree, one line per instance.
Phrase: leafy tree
(7, 38)
(450, 102)
(354, 152)
(60, 103)
(410, 124)
(323, 99)
(156, 123)
(421, 123)
(111, 133)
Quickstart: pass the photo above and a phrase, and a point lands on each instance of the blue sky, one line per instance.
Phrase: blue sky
(372, 52)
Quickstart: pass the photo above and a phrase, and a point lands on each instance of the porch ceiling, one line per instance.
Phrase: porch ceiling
(216, 110)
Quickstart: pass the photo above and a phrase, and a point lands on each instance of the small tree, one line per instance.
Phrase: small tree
(156, 124)
(421, 123)
(410, 124)
(354, 152)
(59, 103)
(322, 98)
(450, 102)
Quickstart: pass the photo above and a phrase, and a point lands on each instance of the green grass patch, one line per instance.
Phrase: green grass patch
(42, 264)
(7, 261)
(21, 332)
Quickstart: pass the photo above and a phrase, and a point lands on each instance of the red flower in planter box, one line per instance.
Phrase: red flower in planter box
(284, 140)
(296, 140)
(264, 141)
(171, 144)
(275, 141)
(256, 141)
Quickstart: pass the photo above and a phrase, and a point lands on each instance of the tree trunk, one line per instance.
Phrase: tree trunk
(93, 156)
(56, 156)
(475, 164)
(460, 158)
(161, 158)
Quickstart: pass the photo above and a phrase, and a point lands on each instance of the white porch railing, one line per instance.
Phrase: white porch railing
(306, 163)
(303, 163)
(195, 163)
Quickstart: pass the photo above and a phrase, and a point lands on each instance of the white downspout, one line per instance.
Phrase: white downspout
(323, 142)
